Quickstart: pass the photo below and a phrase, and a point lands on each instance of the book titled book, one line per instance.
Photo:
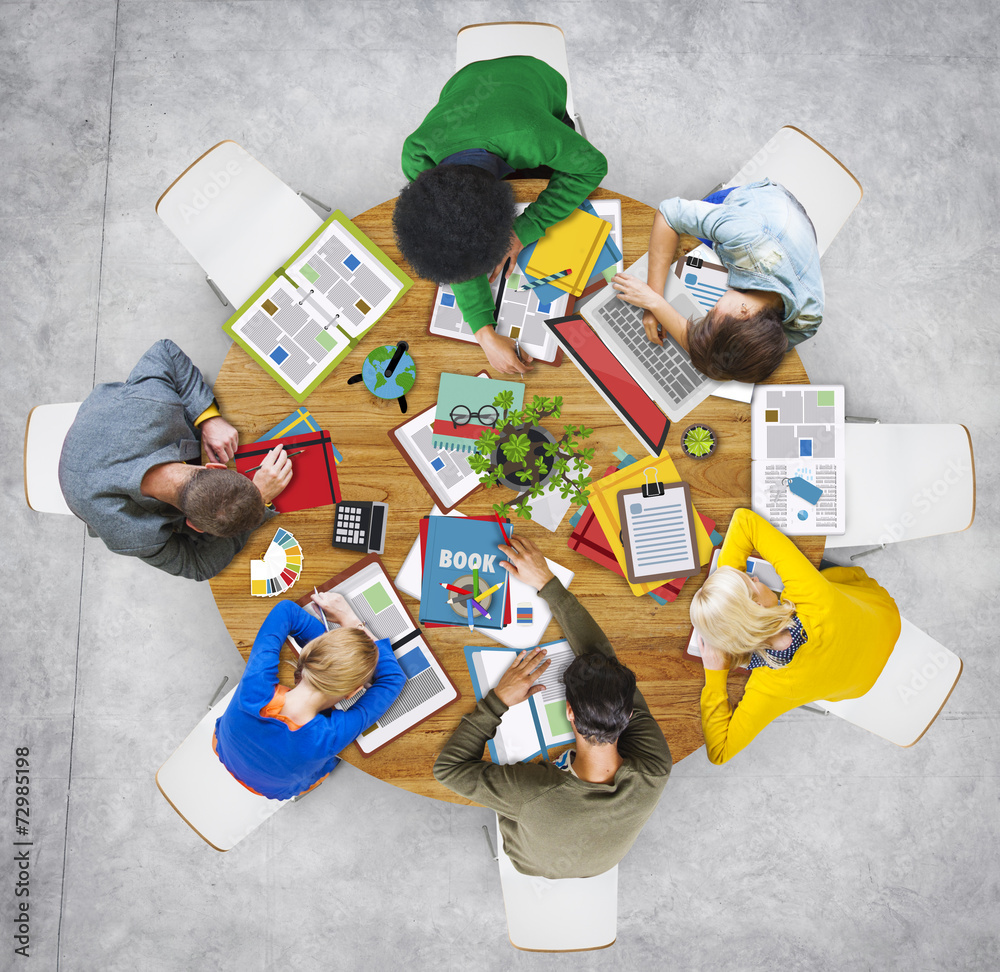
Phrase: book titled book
(459, 548)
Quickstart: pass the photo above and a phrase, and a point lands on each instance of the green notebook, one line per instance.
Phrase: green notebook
(313, 311)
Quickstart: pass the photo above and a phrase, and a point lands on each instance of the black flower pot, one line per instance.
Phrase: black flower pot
(537, 436)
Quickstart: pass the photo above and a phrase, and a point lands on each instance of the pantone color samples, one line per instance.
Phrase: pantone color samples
(279, 568)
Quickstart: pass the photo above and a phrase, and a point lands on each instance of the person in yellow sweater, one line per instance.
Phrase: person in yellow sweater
(827, 637)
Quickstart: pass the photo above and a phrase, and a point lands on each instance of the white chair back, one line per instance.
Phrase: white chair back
(825, 187)
(905, 482)
(483, 42)
(204, 793)
(44, 434)
(916, 682)
(236, 218)
(566, 915)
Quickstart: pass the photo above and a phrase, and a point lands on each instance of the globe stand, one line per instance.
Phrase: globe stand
(376, 373)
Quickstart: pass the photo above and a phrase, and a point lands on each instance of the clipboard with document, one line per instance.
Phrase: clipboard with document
(658, 532)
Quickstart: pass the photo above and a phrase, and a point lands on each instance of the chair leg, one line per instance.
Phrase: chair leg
(864, 553)
(218, 293)
(814, 708)
(861, 420)
(489, 843)
(314, 200)
(578, 122)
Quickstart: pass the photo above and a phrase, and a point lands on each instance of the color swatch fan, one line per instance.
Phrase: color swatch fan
(279, 568)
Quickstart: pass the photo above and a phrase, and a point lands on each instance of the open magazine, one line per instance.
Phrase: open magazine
(797, 447)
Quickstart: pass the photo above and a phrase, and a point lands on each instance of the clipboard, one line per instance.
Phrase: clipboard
(658, 532)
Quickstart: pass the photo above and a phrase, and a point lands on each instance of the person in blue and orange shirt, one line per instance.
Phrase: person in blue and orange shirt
(280, 742)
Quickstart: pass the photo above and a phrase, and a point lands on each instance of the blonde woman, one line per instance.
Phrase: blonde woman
(827, 637)
(280, 742)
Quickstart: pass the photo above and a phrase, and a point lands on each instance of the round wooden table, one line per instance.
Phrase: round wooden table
(649, 638)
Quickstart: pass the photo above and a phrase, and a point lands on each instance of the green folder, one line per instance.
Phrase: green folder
(315, 309)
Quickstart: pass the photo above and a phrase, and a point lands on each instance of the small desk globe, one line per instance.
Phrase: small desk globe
(388, 372)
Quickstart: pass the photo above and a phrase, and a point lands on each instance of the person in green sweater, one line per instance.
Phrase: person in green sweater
(455, 221)
(578, 816)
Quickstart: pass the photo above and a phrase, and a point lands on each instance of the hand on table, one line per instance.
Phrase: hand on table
(518, 682)
(274, 475)
(219, 438)
(513, 250)
(526, 562)
(712, 659)
(500, 353)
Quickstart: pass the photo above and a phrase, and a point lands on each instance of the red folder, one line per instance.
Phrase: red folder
(423, 556)
(314, 470)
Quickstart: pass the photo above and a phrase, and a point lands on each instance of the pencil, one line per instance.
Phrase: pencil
(457, 590)
(468, 605)
(502, 530)
(290, 454)
(531, 285)
(469, 598)
(475, 581)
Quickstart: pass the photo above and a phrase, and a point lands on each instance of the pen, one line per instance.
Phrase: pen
(322, 613)
(517, 350)
(290, 454)
(531, 285)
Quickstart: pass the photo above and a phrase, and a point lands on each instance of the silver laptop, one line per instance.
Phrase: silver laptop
(666, 373)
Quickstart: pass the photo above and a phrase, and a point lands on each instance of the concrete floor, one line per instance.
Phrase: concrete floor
(820, 847)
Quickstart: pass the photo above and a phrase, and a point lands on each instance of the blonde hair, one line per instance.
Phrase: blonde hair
(337, 662)
(726, 614)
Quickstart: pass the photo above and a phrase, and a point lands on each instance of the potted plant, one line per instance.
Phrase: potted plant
(527, 458)
(698, 441)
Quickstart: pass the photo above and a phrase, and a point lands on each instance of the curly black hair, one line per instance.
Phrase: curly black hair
(454, 222)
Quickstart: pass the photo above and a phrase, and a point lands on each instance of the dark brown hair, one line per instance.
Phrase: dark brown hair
(221, 502)
(601, 691)
(723, 347)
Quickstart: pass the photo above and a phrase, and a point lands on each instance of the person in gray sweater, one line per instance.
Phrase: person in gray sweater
(578, 816)
(124, 469)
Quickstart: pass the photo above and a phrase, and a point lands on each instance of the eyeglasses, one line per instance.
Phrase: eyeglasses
(487, 415)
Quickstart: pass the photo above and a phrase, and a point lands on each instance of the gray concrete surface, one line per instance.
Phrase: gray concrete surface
(818, 848)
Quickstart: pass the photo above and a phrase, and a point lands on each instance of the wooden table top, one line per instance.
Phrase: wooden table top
(648, 637)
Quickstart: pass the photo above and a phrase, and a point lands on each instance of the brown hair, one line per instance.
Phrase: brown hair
(221, 502)
(337, 662)
(722, 346)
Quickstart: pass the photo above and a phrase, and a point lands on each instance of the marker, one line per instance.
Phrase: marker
(552, 276)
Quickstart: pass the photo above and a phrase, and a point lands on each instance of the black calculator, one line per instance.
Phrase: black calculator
(360, 525)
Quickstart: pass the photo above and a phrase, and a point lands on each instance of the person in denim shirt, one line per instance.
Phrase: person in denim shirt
(767, 243)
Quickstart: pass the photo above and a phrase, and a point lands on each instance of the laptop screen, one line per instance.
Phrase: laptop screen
(612, 379)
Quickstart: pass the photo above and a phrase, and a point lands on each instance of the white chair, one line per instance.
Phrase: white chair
(906, 481)
(236, 218)
(566, 915)
(825, 187)
(44, 435)
(484, 42)
(916, 682)
(220, 810)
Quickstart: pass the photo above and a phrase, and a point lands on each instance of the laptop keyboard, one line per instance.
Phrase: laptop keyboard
(668, 366)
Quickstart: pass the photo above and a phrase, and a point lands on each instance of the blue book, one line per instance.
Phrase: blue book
(456, 545)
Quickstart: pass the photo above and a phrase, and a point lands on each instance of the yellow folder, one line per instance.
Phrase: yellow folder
(603, 496)
(573, 243)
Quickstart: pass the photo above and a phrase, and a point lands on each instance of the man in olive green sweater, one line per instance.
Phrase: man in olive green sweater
(576, 817)
(455, 222)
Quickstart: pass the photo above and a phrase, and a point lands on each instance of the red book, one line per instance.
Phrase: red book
(314, 470)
